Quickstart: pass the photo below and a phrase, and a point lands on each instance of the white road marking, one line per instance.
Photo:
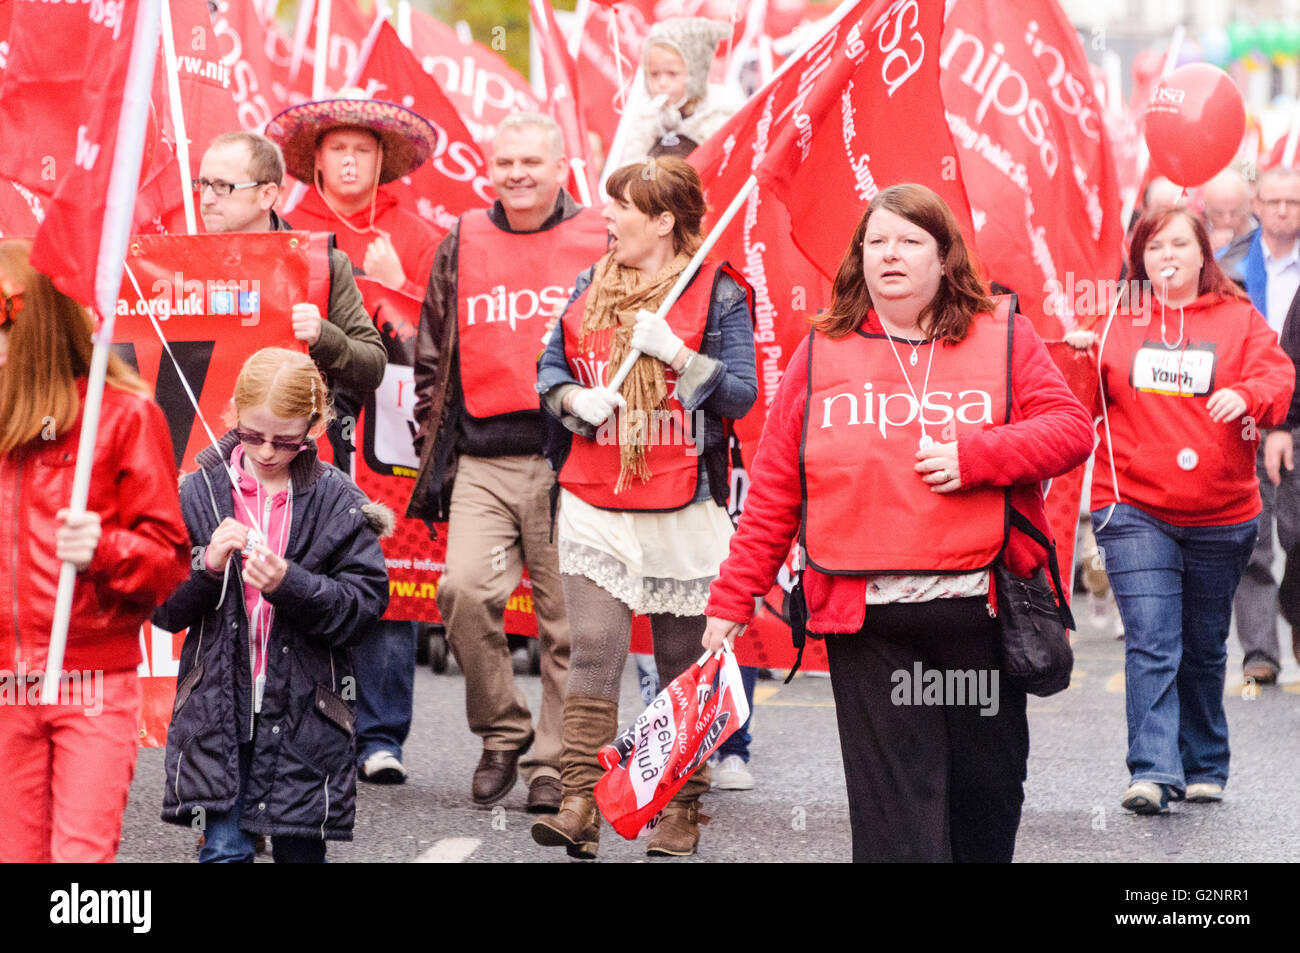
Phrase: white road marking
(449, 850)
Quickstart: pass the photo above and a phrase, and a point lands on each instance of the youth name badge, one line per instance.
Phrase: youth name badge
(1182, 373)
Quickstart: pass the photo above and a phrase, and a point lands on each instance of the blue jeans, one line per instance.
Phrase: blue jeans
(1174, 586)
(738, 743)
(224, 842)
(384, 662)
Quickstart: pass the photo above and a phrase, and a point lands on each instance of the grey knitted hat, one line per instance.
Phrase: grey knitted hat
(695, 39)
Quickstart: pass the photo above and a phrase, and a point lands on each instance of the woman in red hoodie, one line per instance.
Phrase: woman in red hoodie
(67, 767)
(909, 422)
(1191, 375)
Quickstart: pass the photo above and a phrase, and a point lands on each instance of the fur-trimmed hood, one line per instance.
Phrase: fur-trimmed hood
(381, 518)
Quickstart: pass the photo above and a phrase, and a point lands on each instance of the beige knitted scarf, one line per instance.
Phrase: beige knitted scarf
(617, 293)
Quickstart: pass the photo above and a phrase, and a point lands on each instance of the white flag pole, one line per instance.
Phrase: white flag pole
(301, 30)
(318, 84)
(178, 116)
(689, 272)
(1292, 138)
(581, 13)
(404, 22)
(128, 151)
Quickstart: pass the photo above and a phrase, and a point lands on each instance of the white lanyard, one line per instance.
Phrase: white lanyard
(926, 441)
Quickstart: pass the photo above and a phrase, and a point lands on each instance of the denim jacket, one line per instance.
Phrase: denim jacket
(721, 381)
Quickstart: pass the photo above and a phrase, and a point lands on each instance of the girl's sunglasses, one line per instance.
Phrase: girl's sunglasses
(251, 439)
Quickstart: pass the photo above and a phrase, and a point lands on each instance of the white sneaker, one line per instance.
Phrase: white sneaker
(382, 767)
(1204, 792)
(732, 774)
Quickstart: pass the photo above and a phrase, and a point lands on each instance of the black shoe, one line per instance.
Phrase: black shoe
(496, 774)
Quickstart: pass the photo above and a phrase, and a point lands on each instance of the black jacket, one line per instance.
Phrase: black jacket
(1290, 341)
(302, 779)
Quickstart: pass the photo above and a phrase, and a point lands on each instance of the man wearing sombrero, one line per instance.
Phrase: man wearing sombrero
(346, 150)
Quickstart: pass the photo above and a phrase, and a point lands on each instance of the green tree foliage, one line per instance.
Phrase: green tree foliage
(500, 25)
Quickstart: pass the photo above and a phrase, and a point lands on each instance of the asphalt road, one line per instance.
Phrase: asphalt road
(798, 811)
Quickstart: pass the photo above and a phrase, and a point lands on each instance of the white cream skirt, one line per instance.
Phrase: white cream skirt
(652, 562)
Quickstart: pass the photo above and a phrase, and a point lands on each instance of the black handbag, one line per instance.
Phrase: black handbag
(1034, 614)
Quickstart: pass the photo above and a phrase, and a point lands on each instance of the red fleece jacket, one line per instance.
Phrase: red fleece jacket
(1172, 460)
(1049, 434)
(415, 240)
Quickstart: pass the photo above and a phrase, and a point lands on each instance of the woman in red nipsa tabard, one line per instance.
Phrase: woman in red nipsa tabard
(1191, 377)
(915, 413)
(67, 767)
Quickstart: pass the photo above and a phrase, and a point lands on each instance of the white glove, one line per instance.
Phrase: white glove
(595, 404)
(652, 335)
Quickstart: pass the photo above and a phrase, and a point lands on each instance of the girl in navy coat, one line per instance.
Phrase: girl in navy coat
(287, 571)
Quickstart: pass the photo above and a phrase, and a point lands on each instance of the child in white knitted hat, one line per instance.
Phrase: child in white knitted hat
(684, 109)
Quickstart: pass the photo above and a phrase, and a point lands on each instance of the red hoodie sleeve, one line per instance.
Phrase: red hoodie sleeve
(146, 554)
(1050, 431)
(772, 503)
(1267, 375)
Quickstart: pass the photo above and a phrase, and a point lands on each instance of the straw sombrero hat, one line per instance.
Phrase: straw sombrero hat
(408, 138)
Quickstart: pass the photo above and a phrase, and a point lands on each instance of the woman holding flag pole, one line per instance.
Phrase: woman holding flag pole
(68, 766)
(911, 430)
(643, 480)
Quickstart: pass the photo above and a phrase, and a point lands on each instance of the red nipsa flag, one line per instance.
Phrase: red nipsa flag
(1035, 156)
(60, 105)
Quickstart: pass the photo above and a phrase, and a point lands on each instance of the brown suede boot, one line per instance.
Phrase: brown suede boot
(678, 832)
(589, 725)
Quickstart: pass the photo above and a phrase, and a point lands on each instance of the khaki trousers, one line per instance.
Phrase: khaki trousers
(500, 522)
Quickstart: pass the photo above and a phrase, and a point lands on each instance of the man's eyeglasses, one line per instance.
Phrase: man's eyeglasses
(251, 439)
(222, 189)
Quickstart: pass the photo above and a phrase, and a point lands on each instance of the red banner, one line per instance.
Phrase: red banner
(20, 211)
(608, 63)
(483, 86)
(1034, 154)
(217, 298)
(454, 180)
(60, 105)
(808, 132)
(249, 43)
(348, 28)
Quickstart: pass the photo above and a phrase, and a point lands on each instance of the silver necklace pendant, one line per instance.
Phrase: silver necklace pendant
(926, 441)
(912, 360)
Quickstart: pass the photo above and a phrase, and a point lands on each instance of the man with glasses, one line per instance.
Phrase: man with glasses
(238, 185)
(1270, 273)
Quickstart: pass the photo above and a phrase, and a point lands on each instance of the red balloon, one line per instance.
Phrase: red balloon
(1194, 123)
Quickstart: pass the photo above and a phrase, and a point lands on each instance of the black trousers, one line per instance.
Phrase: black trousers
(935, 742)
